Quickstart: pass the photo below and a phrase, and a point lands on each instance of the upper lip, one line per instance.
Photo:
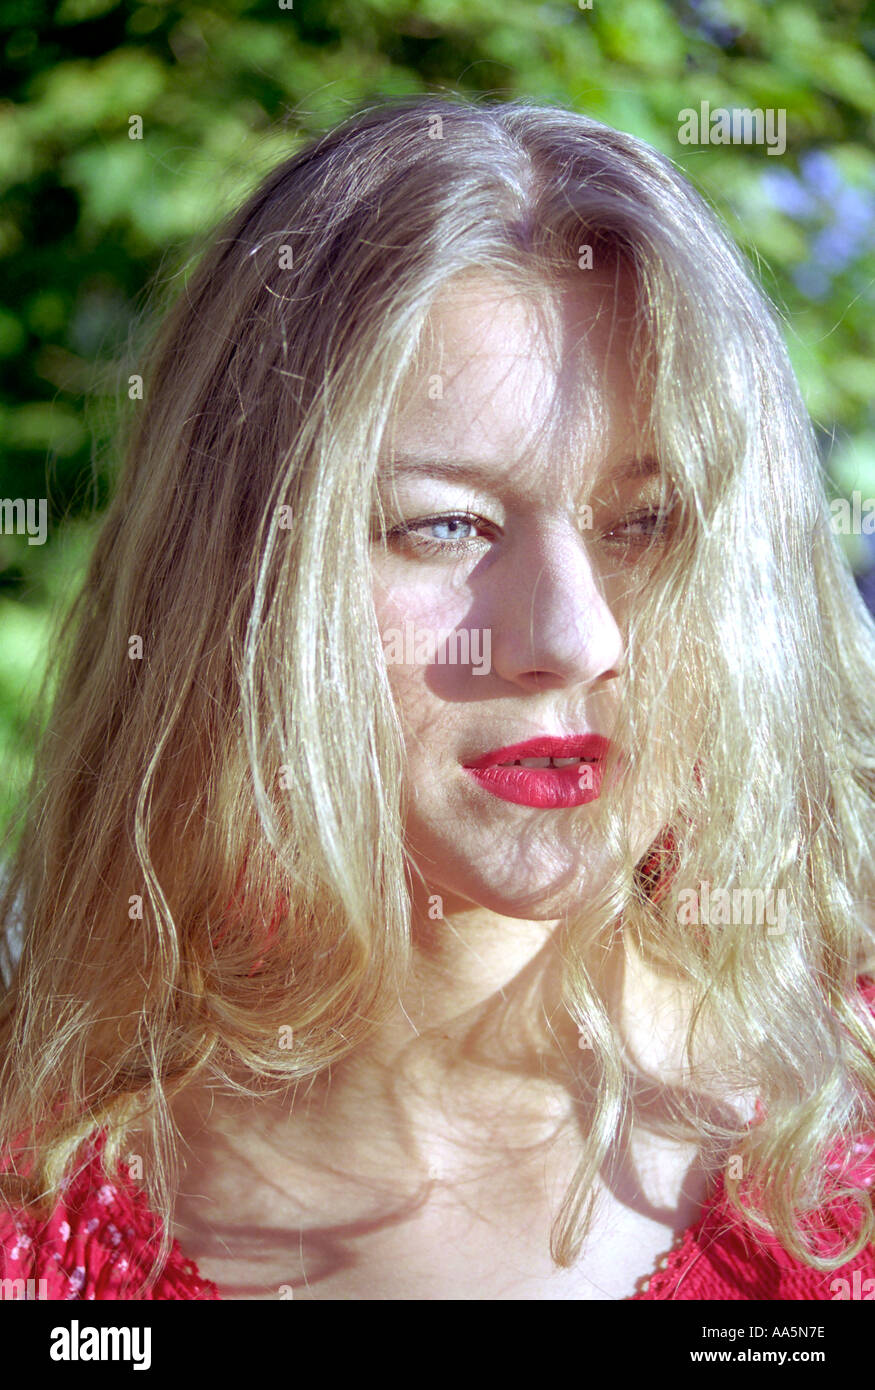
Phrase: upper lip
(589, 746)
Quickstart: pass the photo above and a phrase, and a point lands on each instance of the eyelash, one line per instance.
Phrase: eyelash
(431, 546)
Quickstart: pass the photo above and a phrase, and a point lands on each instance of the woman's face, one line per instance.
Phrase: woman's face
(510, 621)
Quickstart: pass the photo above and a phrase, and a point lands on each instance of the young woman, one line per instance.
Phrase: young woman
(447, 873)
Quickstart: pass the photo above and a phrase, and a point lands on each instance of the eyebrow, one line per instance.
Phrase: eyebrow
(473, 470)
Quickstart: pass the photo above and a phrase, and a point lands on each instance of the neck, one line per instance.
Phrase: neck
(479, 1054)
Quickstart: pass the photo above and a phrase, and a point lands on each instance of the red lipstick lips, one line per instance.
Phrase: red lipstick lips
(579, 780)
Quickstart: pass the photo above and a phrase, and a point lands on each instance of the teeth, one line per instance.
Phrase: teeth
(543, 762)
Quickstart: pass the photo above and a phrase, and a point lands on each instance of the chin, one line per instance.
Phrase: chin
(515, 889)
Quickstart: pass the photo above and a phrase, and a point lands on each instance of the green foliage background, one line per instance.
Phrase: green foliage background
(90, 217)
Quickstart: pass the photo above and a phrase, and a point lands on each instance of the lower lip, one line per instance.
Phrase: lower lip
(545, 787)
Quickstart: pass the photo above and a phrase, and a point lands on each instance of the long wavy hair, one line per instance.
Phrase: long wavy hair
(211, 880)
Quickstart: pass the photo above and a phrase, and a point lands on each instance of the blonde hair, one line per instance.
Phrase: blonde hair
(244, 780)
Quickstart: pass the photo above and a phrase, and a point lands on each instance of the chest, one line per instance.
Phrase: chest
(445, 1244)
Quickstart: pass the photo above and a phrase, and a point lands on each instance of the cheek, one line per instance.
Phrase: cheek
(408, 613)
(399, 598)
(411, 611)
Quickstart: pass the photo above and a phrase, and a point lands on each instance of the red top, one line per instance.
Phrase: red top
(103, 1234)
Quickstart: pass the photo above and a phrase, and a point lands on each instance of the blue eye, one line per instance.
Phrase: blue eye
(641, 528)
(433, 545)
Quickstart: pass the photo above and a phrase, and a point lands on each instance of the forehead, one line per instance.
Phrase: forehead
(526, 377)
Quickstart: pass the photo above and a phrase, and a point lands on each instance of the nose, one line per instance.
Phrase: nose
(551, 624)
